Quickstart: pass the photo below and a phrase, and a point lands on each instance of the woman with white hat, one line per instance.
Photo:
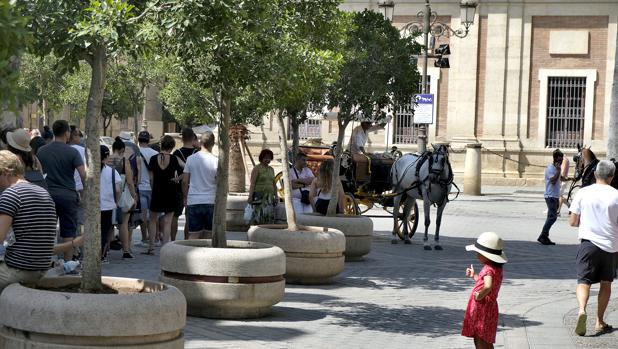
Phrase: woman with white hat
(18, 143)
(481, 319)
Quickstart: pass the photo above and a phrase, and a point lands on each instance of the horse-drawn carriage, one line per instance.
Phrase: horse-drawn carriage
(413, 178)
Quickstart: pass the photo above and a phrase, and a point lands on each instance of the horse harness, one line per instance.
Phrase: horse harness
(444, 183)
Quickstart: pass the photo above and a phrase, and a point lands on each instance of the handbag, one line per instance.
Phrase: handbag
(304, 194)
(126, 201)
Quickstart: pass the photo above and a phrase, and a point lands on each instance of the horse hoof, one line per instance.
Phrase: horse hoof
(438, 248)
(394, 241)
(407, 242)
(427, 248)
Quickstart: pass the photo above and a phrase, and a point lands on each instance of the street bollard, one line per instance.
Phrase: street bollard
(472, 171)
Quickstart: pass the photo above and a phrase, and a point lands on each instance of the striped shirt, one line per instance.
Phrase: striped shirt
(34, 225)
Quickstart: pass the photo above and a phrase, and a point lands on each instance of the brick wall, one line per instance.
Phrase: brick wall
(480, 80)
(541, 59)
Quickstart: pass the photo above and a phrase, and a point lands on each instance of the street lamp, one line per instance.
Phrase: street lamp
(427, 23)
(388, 8)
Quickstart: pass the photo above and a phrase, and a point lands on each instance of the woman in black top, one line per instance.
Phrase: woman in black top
(163, 168)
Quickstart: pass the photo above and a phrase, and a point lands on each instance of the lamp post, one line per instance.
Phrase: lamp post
(427, 23)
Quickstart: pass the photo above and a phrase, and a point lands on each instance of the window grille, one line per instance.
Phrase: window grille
(405, 131)
(311, 128)
(566, 104)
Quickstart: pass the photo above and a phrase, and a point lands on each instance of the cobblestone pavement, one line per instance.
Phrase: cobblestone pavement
(401, 296)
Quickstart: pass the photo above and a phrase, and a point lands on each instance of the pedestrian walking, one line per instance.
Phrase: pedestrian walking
(263, 190)
(481, 318)
(183, 154)
(595, 212)
(119, 161)
(320, 192)
(301, 178)
(163, 169)
(552, 195)
(29, 211)
(110, 192)
(199, 186)
(144, 186)
(59, 161)
(131, 153)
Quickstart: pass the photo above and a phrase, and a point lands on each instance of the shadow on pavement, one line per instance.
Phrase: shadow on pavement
(243, 331)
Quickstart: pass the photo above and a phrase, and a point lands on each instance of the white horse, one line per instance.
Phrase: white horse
(430, 182)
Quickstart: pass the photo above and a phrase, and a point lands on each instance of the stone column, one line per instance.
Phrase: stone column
(472, 171)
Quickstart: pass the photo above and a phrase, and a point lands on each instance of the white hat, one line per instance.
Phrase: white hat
(489, 245)
(19, 139)
(125, 135)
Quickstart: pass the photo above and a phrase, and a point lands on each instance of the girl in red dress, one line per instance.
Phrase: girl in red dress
(481, 319)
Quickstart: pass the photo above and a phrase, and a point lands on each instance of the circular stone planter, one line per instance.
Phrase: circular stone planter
(358, 231)
(235, 211)
(238, 282)
(144, 314)
(314, 255)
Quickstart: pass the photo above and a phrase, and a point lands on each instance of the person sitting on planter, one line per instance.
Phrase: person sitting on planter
(263, 190)
(30, 212)
(199, 186)
(320, 191)
(301, 178)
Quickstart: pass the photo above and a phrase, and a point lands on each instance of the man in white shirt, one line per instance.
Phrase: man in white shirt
(301, 178)
(144, 186)
(595, 211)
(199, 186)
(75, 141)
(358, 140)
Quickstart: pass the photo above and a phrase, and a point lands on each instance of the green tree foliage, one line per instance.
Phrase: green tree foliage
(189, 103)
(41, 82)
(379, 72)
(12, 42)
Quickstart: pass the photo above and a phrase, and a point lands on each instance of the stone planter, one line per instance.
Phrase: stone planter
(144, 314)
(234, 215)
(358, 231)
(241, 281)
(313, 255)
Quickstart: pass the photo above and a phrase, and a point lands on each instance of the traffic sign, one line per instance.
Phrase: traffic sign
(423, 112)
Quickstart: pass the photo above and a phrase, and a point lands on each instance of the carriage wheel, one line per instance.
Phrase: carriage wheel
(279, 183)
(350, 206)
(411, 221)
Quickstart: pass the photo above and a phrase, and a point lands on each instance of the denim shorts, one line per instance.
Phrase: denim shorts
(200, 217)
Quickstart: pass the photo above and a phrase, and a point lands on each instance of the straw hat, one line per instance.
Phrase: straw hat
(19, 139)
(489, 245)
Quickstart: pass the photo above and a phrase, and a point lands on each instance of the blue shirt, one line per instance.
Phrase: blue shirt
(551, 190)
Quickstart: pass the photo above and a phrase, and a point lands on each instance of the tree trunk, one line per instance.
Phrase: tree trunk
(237, 165)
(332, 206)
(612, 139)
(219, 224)
(91, 278)
(287, 188)
(45, 115)
(135, 118)
(295, 134)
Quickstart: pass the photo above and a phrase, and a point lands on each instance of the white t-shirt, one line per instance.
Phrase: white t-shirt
(144, 182)
(107, 190)
(597, 207)
(78, 180)
(305, 173)
(360, 137)
(202, 167)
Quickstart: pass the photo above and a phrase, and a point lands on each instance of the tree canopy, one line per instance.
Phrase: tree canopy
(12, 43)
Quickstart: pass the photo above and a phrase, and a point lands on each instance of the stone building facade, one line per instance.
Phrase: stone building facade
(531, 76)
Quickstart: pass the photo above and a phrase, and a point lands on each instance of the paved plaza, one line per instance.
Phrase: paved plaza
(401, 296)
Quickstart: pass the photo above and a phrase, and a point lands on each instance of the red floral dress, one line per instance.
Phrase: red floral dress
(481, 319)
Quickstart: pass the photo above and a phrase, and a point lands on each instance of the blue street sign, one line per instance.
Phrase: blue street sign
(423, 112)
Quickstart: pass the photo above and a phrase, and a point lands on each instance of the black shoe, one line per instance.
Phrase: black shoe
(127, 255)
(545, 241)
